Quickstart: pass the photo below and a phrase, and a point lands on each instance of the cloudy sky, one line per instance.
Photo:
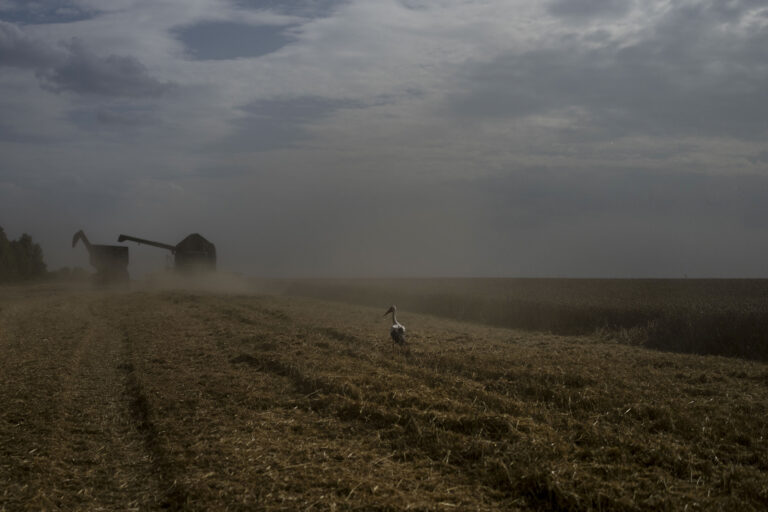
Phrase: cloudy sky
(605, 138)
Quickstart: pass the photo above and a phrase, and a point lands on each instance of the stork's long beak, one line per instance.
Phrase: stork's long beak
(388, 312)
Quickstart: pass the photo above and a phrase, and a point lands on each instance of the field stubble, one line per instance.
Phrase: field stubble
(209, 401)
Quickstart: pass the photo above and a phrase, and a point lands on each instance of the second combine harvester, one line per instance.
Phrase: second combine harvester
(192, 255)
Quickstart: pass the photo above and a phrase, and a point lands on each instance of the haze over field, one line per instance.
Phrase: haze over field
(398, 138)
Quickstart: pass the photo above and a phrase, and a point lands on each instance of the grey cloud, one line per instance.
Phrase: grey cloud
(10, 134)
(73, 67)
(688, 78)
(760, 158)
(84, 72)
(589, 8)
(21, 51)
(228, 40)
(733, 10)
(308, 8)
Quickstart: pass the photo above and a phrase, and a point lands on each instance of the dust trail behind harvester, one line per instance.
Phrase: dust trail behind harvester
(213, 282)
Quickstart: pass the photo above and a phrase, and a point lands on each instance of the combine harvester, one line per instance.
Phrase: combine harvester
(193, 255)
(110, 261)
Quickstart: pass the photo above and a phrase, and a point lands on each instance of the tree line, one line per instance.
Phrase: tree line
(20, 260)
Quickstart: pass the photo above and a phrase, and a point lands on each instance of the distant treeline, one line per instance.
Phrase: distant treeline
(20, 260)
(709, 316)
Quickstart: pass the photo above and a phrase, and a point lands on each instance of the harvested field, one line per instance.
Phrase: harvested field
(210, 401)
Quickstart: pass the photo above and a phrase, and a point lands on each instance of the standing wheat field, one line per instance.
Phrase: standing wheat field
(194, 400)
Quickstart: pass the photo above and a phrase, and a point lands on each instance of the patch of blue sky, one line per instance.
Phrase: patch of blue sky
(40, 12)
(221, 40)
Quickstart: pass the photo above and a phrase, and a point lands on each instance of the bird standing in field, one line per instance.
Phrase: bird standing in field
(397, 332)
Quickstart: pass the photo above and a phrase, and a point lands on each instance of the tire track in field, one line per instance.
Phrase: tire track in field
(97, 421)
(79, 447)
(52, 342)
(172, 495)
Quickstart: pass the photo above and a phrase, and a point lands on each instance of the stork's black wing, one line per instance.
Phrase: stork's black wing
(398, 334)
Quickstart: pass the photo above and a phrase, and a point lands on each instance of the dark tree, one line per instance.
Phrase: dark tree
(21, 259)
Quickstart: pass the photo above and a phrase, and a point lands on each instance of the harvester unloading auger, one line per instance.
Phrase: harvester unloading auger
(191, 255)
(110, 261)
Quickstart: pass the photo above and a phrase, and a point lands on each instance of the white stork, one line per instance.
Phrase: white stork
(397, 332)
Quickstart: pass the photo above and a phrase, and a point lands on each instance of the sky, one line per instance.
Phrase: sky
(395, 138)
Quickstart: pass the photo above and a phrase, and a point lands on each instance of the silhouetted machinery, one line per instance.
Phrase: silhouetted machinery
(193, 254)
(110, 261)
